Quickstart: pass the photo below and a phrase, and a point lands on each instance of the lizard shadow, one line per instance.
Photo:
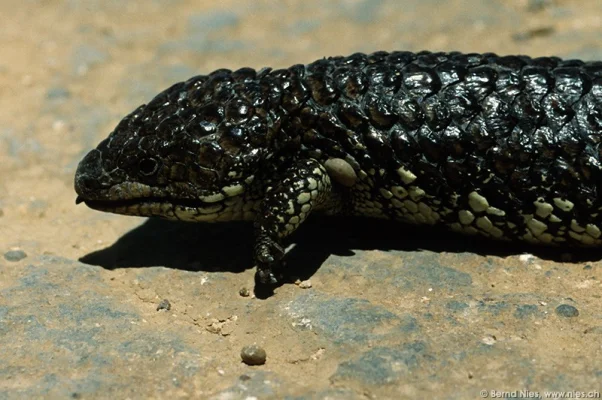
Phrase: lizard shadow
(179, 245)
(229, 246)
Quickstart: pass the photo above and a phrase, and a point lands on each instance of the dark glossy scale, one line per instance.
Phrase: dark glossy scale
(507, 147)
(514, 130)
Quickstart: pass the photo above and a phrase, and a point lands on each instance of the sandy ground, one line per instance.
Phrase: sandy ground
(389, 314)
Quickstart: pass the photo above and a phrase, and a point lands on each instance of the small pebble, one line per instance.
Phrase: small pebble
(244, 292)
(15, 255)
(253, 355)
(58, 93)
(566, 310)
(305, 284)
(538, 5)
(533, 33)
(164, 305)
(489, 340)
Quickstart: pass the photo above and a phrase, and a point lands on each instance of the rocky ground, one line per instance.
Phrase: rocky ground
(94, 305)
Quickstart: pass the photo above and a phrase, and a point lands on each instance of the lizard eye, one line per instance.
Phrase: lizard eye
(148, 166)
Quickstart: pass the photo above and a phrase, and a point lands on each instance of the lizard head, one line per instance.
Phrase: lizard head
(191, 153)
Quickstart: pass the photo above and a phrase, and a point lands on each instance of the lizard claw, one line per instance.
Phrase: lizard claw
(268, 256)
(266, 277)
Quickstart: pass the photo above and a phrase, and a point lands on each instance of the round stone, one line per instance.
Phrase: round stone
(566, 310)
(15, 255)
(253, 355)
(164, 305)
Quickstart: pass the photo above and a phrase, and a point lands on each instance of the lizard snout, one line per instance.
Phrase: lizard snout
(87, 176)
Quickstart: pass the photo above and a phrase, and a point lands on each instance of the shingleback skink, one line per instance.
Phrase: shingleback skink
(505, 147)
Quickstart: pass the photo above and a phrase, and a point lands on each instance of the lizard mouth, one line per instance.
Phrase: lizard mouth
(141, 200)
(162, 207)
(171, 208)
(154, 205)
(104, 205)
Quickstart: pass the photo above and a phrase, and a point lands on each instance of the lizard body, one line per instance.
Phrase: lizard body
(505, 147)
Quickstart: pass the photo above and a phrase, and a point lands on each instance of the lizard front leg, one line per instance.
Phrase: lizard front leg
(302, 188)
